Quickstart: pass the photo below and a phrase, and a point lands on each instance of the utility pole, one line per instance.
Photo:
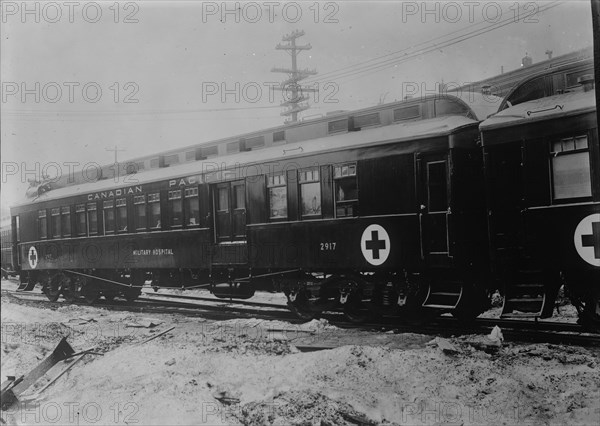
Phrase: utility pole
(294, 92)
(115, 149)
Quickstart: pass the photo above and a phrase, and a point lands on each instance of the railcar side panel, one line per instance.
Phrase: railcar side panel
(171, 249)
(361, 244)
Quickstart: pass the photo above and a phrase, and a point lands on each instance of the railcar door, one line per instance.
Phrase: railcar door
(505, 191)
(229, 200)
(434, 206)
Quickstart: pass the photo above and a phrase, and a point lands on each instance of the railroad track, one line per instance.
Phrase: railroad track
(217, 309)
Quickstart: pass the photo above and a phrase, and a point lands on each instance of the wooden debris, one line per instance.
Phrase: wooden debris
(11, 390)
(157, 335)
(225, 398)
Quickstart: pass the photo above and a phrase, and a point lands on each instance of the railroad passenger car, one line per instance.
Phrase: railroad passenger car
(6, 246)
(372, 216)
(542, 167)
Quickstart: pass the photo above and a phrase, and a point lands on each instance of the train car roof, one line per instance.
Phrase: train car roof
(399, 132)
(542, 109)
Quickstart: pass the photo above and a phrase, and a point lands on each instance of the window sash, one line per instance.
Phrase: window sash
(571, 177)
(310, 195)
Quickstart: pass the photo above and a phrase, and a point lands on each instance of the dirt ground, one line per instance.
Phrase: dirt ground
(252, 372)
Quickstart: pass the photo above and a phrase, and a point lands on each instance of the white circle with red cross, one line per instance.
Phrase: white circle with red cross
(587, 239)
(375, 244)
(32, 256)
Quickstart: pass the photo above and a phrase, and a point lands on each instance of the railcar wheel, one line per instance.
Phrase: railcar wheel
(52, 287)
(69, 289)
(300, 304)
(354, 309)
(109, 297)
(132, 293)
(591, 311)
(90, 292)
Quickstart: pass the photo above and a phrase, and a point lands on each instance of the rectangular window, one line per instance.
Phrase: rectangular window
(279, 136)
(65, 221)
(42, 224)
(154, 214)
(171, 159)
(310, 192)
(209, 151)
(154, 163)
(92, 216)
(277, 197)
(122, 214)
(139, 206)
(239, 197)
(109, 216)
(367, 120)
(223, 199)
(233, 147)
(337, 126)
(175, 209)
(407, 113)
(254, 143)
(55, 222)
(346, 190)
(80, 219)
(192, 207)
(190, 155)
(571, 176)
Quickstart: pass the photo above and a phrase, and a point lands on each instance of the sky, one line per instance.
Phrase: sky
(79, 78)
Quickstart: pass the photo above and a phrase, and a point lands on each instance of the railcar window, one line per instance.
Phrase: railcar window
(42, 224)
(310, 192)
(277, 196)
(255, 143)
(233, 147)
(175, 209)
(239, 196)
(171, 159)
(337, 126)
(92, 216)
(109, 216)
(154, 217)
(279, 136)
(190, 155)
(154, 163)
(571, 176)
(55, 222)
(346, 190)
(367, 120)
(407, 113)
(449, 107)
(209, 151)
(223, 199)
(122, 214)
(139, 204)
(65, 221)
(192, 207)
(80, 219)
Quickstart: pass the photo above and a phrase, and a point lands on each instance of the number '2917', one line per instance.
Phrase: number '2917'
(328, 246)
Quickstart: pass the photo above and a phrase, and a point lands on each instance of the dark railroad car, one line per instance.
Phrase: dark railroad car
(369, 215)
(542, 164)
(7, 251)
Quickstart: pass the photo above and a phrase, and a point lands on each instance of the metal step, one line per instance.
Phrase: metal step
(26, 285)
(442, 296)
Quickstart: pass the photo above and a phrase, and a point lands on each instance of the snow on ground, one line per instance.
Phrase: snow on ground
(251, 372)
